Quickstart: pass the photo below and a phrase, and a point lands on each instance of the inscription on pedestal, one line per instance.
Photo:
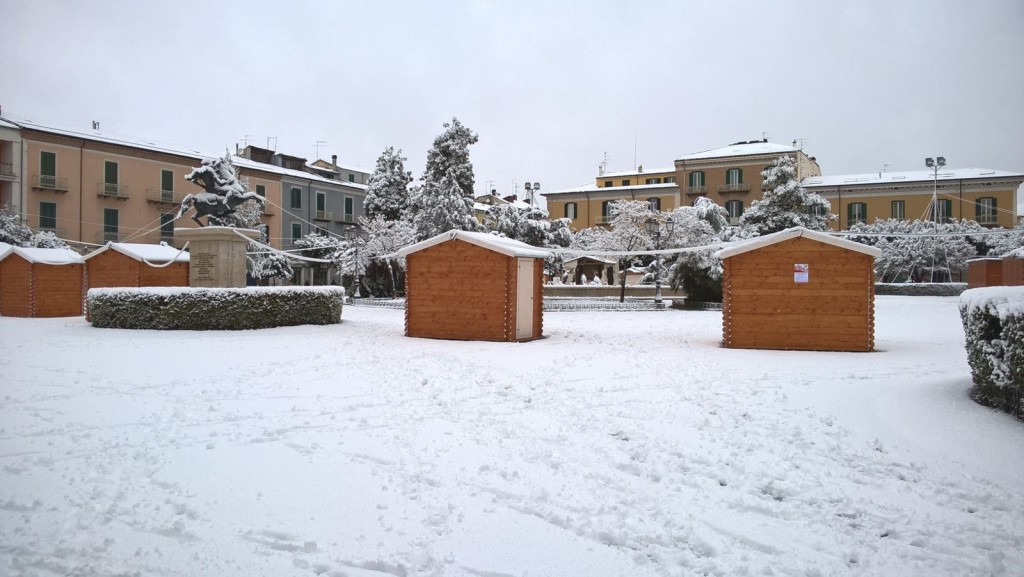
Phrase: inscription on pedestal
(204, 264)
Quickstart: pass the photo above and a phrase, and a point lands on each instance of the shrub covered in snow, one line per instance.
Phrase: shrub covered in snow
(202, 309)
(993, 319)
(913, 289)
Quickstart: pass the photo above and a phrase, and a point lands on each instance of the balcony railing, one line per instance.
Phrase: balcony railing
(694, 190)
(164, 196)
(49, 182)
(987, 219)
(112, 190)
(7, 169)
(604, 220)
(735, 187)
(323, 215)
(105, 236)
(734, 221)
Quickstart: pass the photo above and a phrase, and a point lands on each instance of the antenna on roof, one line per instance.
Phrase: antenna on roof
(317, 147)
(268, 142)
(801, 141)
(245, 139)
(601, 168)
(764, 136)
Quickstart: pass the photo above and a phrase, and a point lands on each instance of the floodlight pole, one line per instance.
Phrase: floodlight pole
(352, 235)
(935, 165)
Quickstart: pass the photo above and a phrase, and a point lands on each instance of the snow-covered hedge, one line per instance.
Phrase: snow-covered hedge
(993, 320)
(921, 289)
(204, 309)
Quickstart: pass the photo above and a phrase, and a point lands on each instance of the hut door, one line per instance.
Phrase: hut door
(524, 299)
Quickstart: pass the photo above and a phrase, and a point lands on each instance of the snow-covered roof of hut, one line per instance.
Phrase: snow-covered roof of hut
(159, 253)
(42, 255)
(1017, 253)
(506, 246)
(796, 232)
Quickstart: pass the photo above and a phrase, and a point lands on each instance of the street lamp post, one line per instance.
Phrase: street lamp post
(654, 228)
(352, 234)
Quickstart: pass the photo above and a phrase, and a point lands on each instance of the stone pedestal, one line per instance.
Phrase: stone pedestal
(216, 255)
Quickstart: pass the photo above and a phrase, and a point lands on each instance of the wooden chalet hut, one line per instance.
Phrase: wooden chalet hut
(799, 290)
(985, 271)
(40, 282)
(122, 264)
(1013, 268)
(473, 286)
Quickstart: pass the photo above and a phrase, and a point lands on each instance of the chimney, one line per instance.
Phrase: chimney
(334, 161)
(95, 125)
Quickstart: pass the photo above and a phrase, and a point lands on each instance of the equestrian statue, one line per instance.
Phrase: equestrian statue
(223, 193)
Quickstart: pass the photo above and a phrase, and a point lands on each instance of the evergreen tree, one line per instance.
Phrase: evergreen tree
(450, 157)
(388, 191)
(440, 206)
(785, 203)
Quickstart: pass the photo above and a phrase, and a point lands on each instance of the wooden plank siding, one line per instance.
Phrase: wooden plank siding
(984, 272)
(764, 308)
(1013, 272)
(40, 290)
(458, 290)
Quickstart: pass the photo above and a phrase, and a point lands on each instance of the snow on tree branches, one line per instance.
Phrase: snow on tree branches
(785, 203)
(387, 193)
(15, 233)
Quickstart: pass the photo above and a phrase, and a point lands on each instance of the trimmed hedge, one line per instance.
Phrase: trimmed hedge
(208, 309)
(921, 289)
(993, 319)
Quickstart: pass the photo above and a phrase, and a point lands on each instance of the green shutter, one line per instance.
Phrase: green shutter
(48, 163)
(166, 180)
(261, 190)
(849, 213)
(739, 172)
(48, 215)
(109, 172)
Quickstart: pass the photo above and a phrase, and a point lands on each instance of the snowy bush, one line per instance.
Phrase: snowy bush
(202, 309)
(907, 289)
(993, 319)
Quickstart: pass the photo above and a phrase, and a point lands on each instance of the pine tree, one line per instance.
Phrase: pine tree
(445, 200)
(450, 157)
(388, 191)
(440, 207)
(785, 203)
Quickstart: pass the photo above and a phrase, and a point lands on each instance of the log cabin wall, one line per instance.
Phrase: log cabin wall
(984, 272)
(764, 308)
(457, 290)
(1013, 272)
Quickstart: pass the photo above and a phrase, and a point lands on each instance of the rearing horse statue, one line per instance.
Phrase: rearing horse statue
(223, 193)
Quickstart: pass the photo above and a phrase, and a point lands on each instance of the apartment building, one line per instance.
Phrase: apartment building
(983, 195)
(589, 205)
(319, 197)
(90, 187)
(731, 176)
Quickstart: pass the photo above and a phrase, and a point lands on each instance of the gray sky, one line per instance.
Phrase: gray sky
(549, 86)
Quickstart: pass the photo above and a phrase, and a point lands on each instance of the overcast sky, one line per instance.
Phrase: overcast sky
(550, 87)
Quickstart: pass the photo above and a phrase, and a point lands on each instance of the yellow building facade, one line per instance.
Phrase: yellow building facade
(982, 195)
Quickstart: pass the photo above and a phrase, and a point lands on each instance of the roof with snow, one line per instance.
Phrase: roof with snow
(243, 162)
(41, 255)
(891, 178)
(159, 253)
(612, 189)
(506, 246)
(107, 137)
(645, 172)
(796, 232)
(741, 149)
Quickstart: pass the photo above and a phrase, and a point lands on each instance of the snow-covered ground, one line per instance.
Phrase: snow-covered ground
(624, 443)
